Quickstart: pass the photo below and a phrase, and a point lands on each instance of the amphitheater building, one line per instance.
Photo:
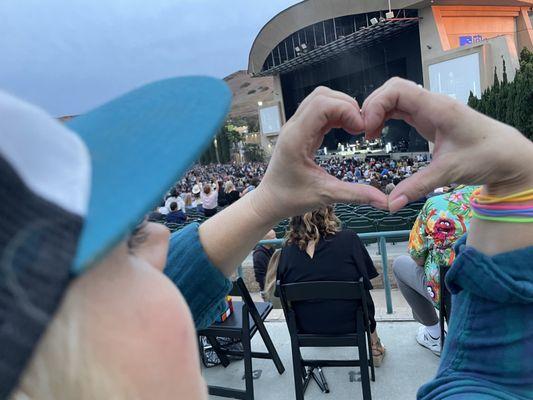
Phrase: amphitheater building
(451, 47)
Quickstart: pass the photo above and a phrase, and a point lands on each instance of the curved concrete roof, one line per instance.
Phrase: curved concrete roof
(309, 12)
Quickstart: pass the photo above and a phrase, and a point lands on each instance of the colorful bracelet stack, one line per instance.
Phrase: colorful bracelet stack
(513, 208)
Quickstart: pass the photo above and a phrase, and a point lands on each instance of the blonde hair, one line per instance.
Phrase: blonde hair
(229, 187)
(188, 200)
(272, 271)
(311, 226)
(64, 365)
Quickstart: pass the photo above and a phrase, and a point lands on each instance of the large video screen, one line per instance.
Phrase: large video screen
(270, 119)
(456, 77)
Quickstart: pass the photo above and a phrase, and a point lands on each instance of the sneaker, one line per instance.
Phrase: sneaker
(424, 339)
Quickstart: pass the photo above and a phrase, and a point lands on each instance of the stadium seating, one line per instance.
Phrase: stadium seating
(281, 229)
(394, 223)
(364, 209)
(360, 219)
(173, 227)
(409, 214)
(376, 214)
(360, 224)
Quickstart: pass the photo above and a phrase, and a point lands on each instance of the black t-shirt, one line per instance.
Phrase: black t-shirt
(261, 257)
(232, 197)
(340, 257)
(222, 200)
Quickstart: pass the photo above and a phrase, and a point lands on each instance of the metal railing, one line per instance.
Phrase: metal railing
(381, 238)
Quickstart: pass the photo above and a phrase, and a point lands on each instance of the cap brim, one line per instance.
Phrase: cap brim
(140, 143)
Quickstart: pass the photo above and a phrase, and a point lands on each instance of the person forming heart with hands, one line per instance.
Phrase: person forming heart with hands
(115, 303)
(470, 148)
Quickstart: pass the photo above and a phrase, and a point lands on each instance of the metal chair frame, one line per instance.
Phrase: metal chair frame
(304, 368)
(445, 303)
(245, 333)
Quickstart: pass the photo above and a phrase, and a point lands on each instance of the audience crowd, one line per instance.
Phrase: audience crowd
(382, 174)
(206, 187)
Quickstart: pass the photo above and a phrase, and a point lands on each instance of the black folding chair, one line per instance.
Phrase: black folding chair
(240, 326)
(445, 302)
(304, 368)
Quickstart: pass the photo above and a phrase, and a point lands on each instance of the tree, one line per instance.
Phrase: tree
(473, 101)
(232, 133)
(224, 145)
(505, 80)
(253, 153)
(510, 102)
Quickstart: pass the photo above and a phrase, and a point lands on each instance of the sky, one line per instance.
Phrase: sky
(68, 56)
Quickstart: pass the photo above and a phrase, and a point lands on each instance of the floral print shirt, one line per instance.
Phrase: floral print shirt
(441, 222)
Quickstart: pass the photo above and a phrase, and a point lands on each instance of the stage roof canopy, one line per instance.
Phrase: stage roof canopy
(362, 38)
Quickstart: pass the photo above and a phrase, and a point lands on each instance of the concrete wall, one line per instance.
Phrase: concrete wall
(524, 30)
(278, 96)
(268, 141)
(492, 52)
(497, 50)
(430, 44)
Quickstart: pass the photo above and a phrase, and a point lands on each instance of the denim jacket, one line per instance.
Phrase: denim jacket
(203, 285)
(488, 353)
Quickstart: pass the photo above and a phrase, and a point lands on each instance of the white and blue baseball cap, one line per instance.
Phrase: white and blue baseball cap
(63, 190)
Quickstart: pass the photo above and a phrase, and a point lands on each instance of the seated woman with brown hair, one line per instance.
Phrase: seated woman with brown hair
(317, 249)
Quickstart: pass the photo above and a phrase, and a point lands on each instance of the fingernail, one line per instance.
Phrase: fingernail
(398, 203)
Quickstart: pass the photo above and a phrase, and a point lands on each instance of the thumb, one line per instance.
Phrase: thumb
(418, 185)
(346, 192)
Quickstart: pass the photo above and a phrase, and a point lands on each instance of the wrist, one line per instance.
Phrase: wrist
(262, 204)
(515, 165)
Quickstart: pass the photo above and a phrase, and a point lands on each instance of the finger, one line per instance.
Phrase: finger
(391, 115)
(345, 97)
(324, 91)
(379, 106)
(420, 184)
(326, 112)
(399, 98)
(346, 192)
(371, 96)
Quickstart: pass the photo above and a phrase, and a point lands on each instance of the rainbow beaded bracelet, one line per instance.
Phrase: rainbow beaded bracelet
(503, 209)
(526, 195)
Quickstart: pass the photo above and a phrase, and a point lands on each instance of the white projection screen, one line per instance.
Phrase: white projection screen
(456, 77)
(270, 119)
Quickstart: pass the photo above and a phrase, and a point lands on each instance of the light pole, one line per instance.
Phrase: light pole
(216, 150)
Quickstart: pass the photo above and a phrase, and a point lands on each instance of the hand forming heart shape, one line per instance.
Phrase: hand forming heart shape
(470, 148)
